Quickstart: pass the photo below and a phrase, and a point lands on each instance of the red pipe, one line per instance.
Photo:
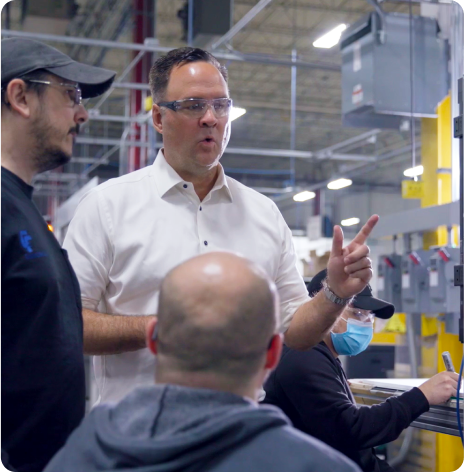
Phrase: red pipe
(143, 28)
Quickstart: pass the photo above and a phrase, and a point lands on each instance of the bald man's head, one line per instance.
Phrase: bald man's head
(217, 314)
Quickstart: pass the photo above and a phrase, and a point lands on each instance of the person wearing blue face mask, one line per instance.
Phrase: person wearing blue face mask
(358, 334)
(312, 389)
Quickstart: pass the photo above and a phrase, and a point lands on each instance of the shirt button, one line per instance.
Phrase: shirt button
(206, 243)
(200, 208)
(185, 185)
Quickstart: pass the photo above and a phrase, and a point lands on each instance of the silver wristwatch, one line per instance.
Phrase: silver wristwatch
(334, 298)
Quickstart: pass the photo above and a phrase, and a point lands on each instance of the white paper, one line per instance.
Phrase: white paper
(433, 278)
(381, 283)
(358, 95)
(405, 281)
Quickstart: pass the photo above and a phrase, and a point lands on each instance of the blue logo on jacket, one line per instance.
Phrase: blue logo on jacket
(25, 240)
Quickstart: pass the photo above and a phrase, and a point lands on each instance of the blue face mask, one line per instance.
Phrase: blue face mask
(354, 340)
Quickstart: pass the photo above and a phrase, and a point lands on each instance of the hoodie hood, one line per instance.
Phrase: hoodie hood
(164, 428)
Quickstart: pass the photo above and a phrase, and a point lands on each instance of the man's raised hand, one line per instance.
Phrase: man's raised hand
(349, 269)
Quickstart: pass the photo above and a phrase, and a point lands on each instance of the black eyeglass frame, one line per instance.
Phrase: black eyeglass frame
(175, 105)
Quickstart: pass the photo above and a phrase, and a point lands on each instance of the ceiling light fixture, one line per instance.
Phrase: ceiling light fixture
(330, 39)
(303, 196)
(350, 222)
(236, 112)
(339, 183)
(414, 171)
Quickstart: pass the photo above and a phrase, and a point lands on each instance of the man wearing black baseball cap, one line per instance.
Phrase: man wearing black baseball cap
(312, 389)
(43, 382)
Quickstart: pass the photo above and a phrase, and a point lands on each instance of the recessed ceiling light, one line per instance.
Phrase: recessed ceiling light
(414, 171)
(339, 183)
(350, 222)
(303, 196)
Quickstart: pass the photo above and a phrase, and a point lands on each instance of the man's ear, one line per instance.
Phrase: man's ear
(17, 97)
(157, 118)
(151, 343)
(274, 351)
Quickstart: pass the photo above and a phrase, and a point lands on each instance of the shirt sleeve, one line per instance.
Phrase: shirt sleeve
(89, 248)
(290, 284)
(317, 392)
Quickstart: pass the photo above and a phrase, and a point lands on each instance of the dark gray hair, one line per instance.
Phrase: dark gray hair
(162, 68)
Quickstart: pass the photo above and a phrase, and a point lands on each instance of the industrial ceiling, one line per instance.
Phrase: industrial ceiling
(263, 87)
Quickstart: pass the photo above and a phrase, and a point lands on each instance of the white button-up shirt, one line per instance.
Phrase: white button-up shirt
(128, 232)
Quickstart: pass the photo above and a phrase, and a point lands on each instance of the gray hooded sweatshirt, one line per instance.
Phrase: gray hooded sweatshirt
(168, 428)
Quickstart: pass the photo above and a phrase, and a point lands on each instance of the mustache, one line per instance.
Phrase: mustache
(75, 129)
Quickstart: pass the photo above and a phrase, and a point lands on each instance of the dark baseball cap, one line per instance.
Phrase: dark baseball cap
(22, 56)
(363, 300)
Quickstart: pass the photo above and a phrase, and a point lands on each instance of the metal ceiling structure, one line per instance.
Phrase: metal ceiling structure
(272, 65)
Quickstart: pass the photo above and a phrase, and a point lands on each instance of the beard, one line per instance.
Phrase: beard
(45, 155)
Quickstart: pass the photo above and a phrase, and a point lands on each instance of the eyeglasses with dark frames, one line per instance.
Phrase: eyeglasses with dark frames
(196, 107)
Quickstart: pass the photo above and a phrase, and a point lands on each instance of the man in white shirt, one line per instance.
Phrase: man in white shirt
(130, 231)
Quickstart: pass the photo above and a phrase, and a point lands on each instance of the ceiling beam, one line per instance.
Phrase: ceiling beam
(307, 7)
(255, 10)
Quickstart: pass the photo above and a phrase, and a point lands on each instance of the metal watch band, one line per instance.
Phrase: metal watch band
(334, 298)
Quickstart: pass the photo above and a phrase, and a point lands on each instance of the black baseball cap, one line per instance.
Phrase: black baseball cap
(22, 56)
(363, 300)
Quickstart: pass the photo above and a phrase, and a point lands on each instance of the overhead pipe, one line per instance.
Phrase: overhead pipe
(282, 153)
(234, 57)
(355, 139)
(190, 13)
(293, 93)
(381, 13)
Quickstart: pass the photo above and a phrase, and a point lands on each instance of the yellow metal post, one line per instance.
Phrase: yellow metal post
(436, 159)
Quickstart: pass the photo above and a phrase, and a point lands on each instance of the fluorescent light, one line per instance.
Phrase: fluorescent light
(339, 183)
(414, 171)
(303, 196)
(236, 112)
(330, 39)
(350, 221)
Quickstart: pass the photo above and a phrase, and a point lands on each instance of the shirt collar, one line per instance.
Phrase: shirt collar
(167, 178)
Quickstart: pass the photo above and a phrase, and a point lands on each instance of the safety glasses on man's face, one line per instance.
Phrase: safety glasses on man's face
(361, 315)
(73, 90)
(196, 107)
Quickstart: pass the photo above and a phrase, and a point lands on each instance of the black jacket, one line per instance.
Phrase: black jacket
(43, 379)
(312, 389)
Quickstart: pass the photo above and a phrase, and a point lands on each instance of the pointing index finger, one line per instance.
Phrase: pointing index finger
(337, 241)
(366, 230)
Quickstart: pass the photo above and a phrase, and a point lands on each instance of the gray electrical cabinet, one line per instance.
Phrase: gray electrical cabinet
(444, 296)
(415, 282)
(389, 280)
(376, 70)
